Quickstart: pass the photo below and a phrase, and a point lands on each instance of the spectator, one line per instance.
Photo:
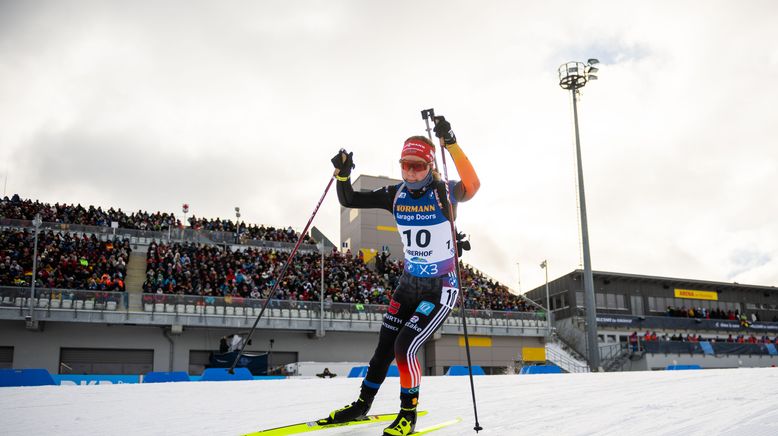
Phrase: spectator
(633, 341)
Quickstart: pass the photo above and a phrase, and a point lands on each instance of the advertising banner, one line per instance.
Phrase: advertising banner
(696, 295)
(93, 379)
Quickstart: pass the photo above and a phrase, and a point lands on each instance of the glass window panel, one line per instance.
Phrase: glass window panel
(600, 300)
(579, 299)
(611, 300)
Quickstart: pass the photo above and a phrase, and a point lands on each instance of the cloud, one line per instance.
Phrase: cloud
(149, 105)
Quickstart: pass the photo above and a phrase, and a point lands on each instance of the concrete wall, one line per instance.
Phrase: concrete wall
(502, 352)
(660, 361)
(41, 349)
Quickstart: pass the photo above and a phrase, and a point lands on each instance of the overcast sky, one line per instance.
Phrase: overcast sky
(147, 105)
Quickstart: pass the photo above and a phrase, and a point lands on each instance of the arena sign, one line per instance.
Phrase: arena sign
(696, 295)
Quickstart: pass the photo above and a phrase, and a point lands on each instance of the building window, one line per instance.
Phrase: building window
(610, 300)
(600, 301)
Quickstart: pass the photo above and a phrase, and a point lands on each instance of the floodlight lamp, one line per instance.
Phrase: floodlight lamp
(237, 209)
(592, 70)
(593, 61)
(592, 77)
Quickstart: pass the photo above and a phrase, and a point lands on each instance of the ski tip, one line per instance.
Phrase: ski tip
(439, 426)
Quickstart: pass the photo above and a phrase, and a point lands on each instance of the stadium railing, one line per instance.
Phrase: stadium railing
(12, 297)
(238, 306)
(61, 299)
(719, 348)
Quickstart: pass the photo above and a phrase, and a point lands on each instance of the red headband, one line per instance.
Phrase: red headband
(415, 147)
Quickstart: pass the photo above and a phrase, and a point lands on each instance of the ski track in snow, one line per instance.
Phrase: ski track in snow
(707, 402)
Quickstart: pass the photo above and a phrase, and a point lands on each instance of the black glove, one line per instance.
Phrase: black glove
(462, 243)
(443, 130)
(343, 162)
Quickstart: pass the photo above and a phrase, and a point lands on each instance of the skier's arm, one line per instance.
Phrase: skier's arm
(378, 199)
(466, 188)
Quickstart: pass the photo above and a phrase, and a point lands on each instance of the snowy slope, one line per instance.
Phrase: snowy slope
(709, 402)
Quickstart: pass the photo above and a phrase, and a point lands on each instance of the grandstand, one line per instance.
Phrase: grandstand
(129, 294)
(158, 296)
(649, 322)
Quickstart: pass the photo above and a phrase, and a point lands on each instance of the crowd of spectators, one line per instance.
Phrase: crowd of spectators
(484, 293)
(65, 261)
(703, 313)
(215, 271)
(23, 209)
(635, 339)
(248, 231)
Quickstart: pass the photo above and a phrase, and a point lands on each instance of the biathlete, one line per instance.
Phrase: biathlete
(428, 287)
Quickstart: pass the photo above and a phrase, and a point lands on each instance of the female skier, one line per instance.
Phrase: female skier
(428, 287)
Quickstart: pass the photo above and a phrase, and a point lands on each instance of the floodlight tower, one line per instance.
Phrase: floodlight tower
(36, 223)
(574, 76)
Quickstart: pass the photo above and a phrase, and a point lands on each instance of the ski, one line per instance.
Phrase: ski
(305, 427)
(432, 428)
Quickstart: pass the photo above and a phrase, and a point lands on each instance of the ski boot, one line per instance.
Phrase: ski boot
(405, 422)
(354, 411)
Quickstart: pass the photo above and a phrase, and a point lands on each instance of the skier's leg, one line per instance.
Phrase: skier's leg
(438, 298)
(398, 311)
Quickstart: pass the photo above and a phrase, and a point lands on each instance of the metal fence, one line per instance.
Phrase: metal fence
(61, 299)
(67, 299)
(209, 305)
(718, 348)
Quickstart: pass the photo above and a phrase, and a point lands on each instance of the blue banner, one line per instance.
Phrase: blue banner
(93, 379)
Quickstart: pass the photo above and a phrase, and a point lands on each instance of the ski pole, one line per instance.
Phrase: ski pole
(426, 115)
(282, 273)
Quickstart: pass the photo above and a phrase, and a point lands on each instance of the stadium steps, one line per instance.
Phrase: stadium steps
(136, 274)
(558, 355)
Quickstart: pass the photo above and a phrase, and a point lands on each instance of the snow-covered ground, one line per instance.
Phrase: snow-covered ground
(707, 402)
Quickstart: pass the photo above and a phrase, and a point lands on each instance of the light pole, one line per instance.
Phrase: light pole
(185, 210)
(36, 223)
(574, 76)
(321, 290)
(237, 225)
(544, 265)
